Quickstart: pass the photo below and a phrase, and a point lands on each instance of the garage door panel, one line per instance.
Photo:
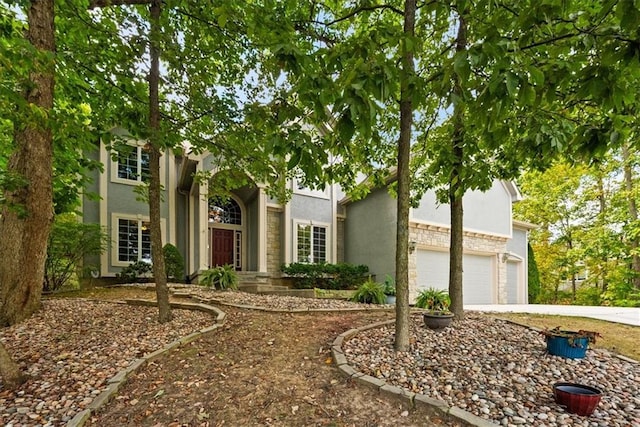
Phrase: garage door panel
(433, 270)
(478, 275)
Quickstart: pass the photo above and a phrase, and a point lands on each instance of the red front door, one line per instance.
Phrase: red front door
(221, 247)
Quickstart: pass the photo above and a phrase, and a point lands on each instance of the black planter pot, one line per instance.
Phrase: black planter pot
(437, 320)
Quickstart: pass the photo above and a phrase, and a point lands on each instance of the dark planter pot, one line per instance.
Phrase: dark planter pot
(437, 321)
(575, 348)
(579, 399)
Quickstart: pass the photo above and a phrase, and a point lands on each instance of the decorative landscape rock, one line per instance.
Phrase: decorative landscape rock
(64, 382)
(492, 369)
(498, 371)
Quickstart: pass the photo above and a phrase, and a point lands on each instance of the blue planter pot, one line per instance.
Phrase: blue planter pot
(575, 348)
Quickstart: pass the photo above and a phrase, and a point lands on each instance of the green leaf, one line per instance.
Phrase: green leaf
(512, 83)
(222, 20)
(294, 160)
(345, 128)
(537, 76)
(461, 66)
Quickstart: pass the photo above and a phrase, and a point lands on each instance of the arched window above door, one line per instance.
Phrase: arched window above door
(224, 211)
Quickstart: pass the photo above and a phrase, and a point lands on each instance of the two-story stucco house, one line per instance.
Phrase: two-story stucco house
(257, 234)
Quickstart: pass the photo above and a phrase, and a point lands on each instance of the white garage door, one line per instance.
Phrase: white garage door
(478, 278)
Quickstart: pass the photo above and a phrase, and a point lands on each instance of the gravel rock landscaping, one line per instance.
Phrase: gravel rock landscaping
(491, 368)
(277, 302)
(71, 348)
(498, 371)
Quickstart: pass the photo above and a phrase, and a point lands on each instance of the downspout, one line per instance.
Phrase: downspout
(187, 239)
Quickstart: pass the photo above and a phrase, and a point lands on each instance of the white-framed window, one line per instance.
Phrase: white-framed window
(131, 165)
(223, 211)
(311, 242)
(300, 188)
(134, 240)
(131, 235)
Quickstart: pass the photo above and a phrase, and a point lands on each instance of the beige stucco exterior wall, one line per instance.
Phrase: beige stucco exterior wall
(274, 251)
(434, 237)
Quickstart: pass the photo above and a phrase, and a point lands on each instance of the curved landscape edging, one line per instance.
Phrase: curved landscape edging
(118, 380)
(436, 407)
(276, 310)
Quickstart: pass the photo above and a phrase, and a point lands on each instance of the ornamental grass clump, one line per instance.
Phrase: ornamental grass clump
(369, 292)
(221, 277)
(437, 301)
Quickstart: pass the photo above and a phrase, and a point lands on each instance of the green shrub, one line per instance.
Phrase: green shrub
(533, 276)
(305, 276)
(588, 295)
(369, 292)
(173, 262)
(69, 243)
(347, 276)
(138, 271)
(621, 292)
(389, 286)
(433, 299)
(326, 276)
(221, 277)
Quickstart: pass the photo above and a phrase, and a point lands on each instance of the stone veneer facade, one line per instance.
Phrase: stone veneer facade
(431, 237)
(274, 241)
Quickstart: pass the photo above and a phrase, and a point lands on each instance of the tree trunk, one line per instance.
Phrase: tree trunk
(159, 273)
(572, 267)
(27, 215)
(404, 175)
(633, 214)
(602, 222)
(456, 188)
(11, 375)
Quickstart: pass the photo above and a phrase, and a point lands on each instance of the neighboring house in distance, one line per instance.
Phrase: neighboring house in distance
(495, 246)
(257, 234)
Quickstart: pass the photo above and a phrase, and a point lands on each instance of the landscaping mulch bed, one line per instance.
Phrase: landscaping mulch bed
(260, 369)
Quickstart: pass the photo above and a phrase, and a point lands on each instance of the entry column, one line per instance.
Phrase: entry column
(262, 230)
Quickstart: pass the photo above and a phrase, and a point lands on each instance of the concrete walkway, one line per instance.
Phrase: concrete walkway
(626, 315)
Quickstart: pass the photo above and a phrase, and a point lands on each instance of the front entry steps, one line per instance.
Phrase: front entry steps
(256, 282)
(260, 283)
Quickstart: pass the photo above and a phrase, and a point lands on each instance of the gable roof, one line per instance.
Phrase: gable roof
(510, 186)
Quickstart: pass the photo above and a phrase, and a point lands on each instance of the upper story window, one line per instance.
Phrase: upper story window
(300, 188)
(224, 211)
(133, 164)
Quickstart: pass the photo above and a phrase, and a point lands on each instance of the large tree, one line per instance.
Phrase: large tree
(195, 100)
(27, 212)
(101, 55)
(350, 72)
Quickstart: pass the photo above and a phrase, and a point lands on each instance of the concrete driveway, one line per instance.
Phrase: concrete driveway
(626, 315)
